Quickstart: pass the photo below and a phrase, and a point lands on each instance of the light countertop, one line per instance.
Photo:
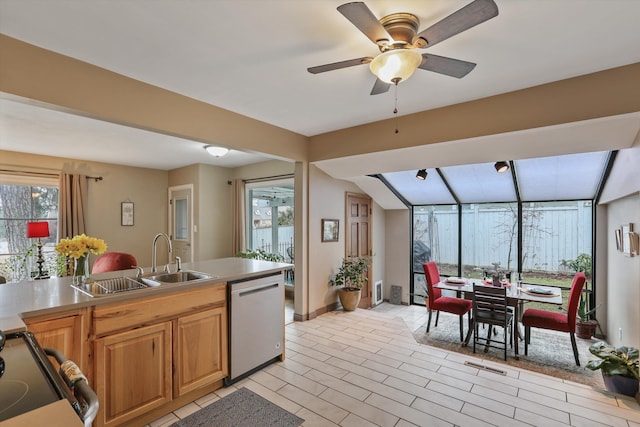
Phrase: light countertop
(31, 298)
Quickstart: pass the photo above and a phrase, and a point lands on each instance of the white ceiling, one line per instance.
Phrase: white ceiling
(250, 56)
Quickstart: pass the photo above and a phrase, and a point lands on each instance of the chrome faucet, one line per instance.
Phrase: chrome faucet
(154, 248)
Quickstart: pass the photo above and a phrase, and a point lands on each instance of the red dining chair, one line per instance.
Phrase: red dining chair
(114, 261)
(436, 302)
(556, 321)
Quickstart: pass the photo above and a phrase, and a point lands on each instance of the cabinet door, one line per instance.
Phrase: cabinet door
(200, 350)
(63, 334)
(133, 373)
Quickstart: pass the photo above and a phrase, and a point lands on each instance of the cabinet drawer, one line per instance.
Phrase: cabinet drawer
(137, 312)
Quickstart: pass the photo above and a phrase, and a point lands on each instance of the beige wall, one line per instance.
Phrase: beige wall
(606, 93)
(213, 198)
(398, 259)
(327, 200)
(623, 278)
(379, 247)
(618, 276)
(79, 87)
(214, 212)
(264, 169)
(146, 188)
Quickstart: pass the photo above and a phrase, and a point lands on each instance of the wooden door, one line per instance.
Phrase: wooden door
(181, 222)
(358, 236)
(133, 373)
(200, 350)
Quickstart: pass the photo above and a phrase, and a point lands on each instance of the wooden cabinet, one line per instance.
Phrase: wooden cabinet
(151, 351)
(133, 373)
(64, 332)
(200, 350)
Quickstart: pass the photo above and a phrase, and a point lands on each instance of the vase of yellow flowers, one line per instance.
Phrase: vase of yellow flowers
(79, 248)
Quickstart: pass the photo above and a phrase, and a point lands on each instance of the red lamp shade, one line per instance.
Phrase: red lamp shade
(37, 229)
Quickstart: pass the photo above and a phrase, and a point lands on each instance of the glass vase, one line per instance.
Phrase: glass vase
(81, 270)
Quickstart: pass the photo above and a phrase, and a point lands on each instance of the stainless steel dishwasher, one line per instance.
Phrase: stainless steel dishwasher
(256, 327)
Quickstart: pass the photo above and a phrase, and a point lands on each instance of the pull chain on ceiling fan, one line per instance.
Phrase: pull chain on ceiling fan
(397, 39)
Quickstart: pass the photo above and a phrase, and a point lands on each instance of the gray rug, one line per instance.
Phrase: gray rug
(242, 408)
(550, 352)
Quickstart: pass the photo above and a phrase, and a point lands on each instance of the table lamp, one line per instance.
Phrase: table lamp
(38, 230)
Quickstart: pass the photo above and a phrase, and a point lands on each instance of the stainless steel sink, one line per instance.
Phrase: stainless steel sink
(156, 279)
(104, 287)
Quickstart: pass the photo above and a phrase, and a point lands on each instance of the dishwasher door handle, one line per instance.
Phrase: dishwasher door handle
(256, 289)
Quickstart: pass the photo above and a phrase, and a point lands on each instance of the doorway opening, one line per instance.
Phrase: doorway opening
(270, 227)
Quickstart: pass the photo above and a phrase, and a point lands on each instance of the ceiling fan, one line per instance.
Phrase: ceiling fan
(397, 37)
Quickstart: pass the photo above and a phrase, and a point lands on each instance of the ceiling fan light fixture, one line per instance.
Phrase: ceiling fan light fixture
(395, 65)
(216, 151)
(422, 174)
(501, 166)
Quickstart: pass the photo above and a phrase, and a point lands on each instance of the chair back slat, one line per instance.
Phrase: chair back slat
(490, 304)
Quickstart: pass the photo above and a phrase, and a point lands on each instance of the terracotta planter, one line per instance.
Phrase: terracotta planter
(349, 298)
(619, 384)
(586, 329)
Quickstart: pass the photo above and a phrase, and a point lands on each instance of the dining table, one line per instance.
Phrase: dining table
(517, 295)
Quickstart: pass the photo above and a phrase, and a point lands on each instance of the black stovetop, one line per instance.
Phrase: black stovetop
(29, 380)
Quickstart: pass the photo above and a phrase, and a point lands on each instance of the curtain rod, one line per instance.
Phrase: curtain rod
(29, 173)
(268, 178)
(57, 175)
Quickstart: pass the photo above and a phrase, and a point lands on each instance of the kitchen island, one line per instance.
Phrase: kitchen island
(147, 351)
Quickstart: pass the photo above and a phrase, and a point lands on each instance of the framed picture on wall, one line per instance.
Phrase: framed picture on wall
(126, 212)
(330, 230)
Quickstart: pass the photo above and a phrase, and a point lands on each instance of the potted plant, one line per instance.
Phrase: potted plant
(351, 276)
(585, 325)
(261, 254)
(619, 366)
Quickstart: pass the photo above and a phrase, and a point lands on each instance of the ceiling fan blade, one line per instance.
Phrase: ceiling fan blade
(338, 65)
(469, 16)
(362, 17)
(447, 66)
(380, 87)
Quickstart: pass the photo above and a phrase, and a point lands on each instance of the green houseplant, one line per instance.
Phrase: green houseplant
(351, 276)
(260, 254)
(619, 367)
(585, 325)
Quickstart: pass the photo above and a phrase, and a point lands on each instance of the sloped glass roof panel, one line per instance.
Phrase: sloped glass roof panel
(480, 183)
(569, 177)
(431, 191)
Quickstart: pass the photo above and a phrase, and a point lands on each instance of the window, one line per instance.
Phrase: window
(22, 200)
(556, 237)
(489, 238)
(435, 238)
(537, 219)
(270, 216)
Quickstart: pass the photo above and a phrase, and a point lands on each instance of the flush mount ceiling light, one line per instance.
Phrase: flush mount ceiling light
(422, 174)
(501, 166)
(216, 151)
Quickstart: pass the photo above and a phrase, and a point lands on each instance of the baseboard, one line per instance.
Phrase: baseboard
(316, 313)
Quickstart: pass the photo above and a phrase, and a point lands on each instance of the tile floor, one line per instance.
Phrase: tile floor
(364, 368)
